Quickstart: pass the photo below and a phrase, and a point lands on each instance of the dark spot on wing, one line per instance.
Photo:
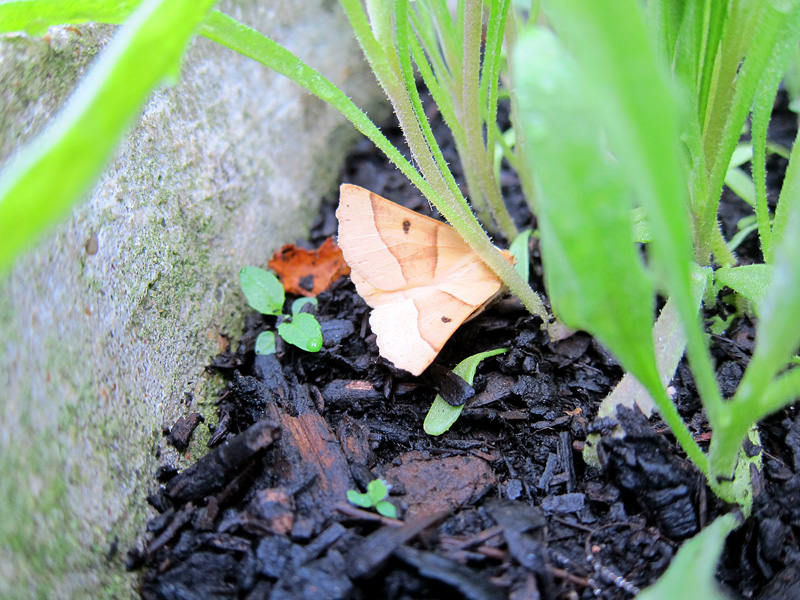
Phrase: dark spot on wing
(446, 319)
(406, 226)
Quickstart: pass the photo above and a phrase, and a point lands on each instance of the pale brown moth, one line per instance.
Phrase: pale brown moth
(420, 277)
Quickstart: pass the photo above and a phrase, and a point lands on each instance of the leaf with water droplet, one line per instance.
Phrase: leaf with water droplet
(302, 330)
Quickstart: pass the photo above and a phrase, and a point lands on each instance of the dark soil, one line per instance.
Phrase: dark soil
(501, 506)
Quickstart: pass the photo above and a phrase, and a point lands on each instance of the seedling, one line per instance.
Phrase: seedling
(442, 415)
(265, 293)
(374, 498)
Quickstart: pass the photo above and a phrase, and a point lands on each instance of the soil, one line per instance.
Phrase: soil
(501, 506)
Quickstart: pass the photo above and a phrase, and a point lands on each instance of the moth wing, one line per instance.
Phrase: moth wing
(419, 276)
(390, 246)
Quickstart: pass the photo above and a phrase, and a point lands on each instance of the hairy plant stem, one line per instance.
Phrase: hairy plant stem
(388, 71)
(477, 153)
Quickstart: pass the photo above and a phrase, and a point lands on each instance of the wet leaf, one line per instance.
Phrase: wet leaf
(263, 290)
(309, 272)
(302, 330)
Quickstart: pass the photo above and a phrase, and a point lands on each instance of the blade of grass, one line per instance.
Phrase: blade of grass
(405, 39)
(477, 153)
(41, 182)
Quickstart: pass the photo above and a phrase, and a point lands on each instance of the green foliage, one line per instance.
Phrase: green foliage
(302, 330)
(263, 290)
(265, 293)
(442, 415)
(298, 304)
(521, 252)
(265, 343)
(750, 281)
(584, 216)
(374, 498)
(41, 182)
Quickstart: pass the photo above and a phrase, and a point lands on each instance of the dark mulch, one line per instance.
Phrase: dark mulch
(501, 506)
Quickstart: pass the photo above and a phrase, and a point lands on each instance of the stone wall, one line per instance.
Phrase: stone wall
(106, 325)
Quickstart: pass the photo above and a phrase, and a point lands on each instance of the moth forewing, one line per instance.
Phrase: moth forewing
(420, 277)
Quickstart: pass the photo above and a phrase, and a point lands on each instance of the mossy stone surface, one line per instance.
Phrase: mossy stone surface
(107, 323)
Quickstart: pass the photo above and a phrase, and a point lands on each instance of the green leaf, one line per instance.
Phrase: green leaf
(593, 270)
(521, 251)
(359, 499)
(40, 183)
(691, 573)
(387, 509)
(584, 208)
(441, 415)
(263, 290)
(628, 88)
(641, 228)
(265, 343)
(302, 330)
(35, 16)
(298, 304)
(377, 490)
(742, 185)
(749, 281)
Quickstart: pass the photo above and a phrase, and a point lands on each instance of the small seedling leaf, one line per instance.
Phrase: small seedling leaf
(263, 290)
(265, 343)
(302, 330)
(387, 509)
(377, 490)
(750, 281)
(298, 304)
(359, 499)
(442, 415)
(691, 573)
(520, 249)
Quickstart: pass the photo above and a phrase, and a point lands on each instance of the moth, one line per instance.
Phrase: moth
(420, 277)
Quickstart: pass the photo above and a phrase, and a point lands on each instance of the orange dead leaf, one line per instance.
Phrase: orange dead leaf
(309, 272)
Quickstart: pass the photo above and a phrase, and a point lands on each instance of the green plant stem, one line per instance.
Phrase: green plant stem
(454, 209)
(670, 414)
(470, 105)
(407, 45)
